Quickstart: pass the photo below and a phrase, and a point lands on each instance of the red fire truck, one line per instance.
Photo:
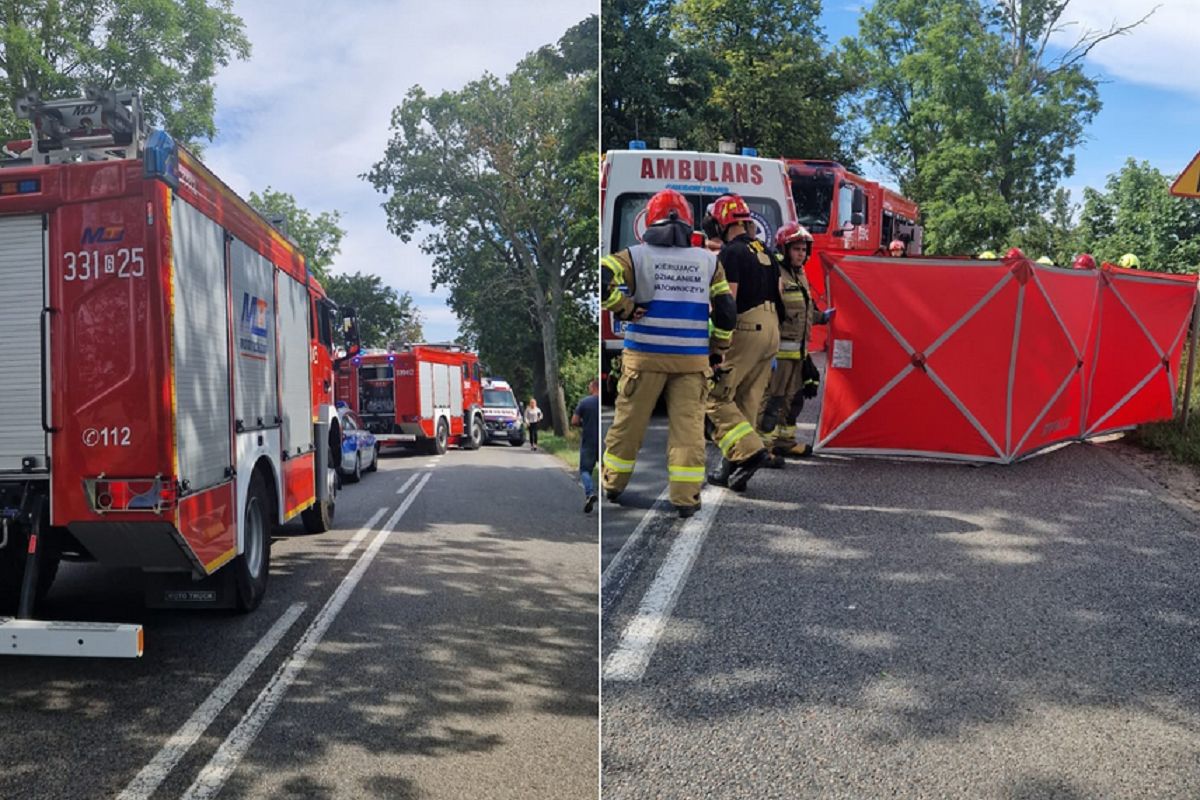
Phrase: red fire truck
(850, 214)
(167, 374)
(425, 396)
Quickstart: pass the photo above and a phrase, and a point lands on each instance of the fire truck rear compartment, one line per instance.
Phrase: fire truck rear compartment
(23, 278)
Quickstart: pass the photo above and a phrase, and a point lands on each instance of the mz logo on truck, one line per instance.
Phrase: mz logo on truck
(104, 234)
(253, 325)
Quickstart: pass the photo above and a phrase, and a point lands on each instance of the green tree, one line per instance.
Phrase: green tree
(168, 50)
(499, 172)
(318, 236)
(637, 85)
(1054, 233)
(972, 110)
(1136, 213)
(384, 316)
(772, 81)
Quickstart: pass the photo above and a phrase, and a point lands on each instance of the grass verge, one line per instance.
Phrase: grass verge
(565, 448)
(1170, 437)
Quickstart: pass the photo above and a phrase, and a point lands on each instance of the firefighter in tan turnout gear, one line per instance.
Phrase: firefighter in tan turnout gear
(738, 384)
(777, 422)
(673, 289)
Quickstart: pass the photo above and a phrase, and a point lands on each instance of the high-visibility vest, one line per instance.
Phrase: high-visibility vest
(673, 284)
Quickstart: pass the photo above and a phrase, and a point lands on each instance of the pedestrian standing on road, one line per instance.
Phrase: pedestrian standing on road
(776, 422)
(587, 419)
(533, 415)
(738, 386)
(675, 291)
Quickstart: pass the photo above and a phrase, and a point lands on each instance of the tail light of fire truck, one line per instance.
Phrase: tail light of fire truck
(130, 494)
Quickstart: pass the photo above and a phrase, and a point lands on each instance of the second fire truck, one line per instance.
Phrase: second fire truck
(429, 397)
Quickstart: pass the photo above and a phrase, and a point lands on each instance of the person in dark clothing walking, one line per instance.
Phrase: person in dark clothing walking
(587, 418)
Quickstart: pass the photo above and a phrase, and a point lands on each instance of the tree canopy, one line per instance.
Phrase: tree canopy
(318, 236)
(972, 110)
(755, 72)
(168, 50)
(503, 174)
(385, 317)
(1136, 213)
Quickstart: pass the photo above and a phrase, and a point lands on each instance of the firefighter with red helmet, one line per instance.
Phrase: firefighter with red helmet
(674, 292)
(1083, 261)
(896, 249)
(777, 421)
(738, 384)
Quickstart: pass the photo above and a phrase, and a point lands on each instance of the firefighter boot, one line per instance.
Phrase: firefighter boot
(744, 470)
(795, 450)
(720, 475)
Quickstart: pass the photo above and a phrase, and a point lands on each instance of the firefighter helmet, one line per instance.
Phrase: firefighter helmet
(1014, 252)
(666, 206)
(896, 245)
(1130, 261)
(1083, 261)
(987, 255)
(790, 233)
(730, 208)
(1047, 260)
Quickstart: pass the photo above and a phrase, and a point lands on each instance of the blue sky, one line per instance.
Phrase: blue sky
(1150, 91)
(309, 111)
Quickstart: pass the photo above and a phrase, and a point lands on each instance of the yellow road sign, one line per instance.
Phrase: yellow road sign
(1188, 182)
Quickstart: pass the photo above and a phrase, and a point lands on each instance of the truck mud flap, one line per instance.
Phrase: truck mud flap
(176, 590)
(28, 637)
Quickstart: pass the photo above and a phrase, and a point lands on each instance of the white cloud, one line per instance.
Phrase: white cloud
(309, 112)
(1160, 52)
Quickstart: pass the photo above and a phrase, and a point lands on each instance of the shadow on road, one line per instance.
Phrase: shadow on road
(941, 603)
(474, 629)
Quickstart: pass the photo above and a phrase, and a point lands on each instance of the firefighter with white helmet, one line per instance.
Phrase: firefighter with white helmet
(738, 385)
(896, 249)
(777, 422)
(674, 291)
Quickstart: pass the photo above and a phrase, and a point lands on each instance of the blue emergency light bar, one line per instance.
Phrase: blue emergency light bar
(637, 144)
(162, 158)
(26, 186)
(750, 151)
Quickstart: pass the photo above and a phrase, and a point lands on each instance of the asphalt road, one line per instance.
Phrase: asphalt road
(461, 664)
(867, 628)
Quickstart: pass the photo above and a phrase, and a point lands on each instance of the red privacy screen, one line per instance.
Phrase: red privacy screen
(994, 360)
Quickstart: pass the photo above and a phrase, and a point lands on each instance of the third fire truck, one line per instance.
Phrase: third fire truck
(847, 213)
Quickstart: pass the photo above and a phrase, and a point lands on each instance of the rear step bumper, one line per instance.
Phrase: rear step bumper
(28, 637)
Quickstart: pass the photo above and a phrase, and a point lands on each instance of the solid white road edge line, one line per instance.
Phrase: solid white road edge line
(352, 545)
(218, 769)
(408, 483)
(632, 653)
(155, 772)
(630, 543)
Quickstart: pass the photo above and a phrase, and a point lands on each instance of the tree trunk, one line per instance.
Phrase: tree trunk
(558, 400)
